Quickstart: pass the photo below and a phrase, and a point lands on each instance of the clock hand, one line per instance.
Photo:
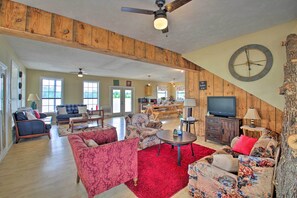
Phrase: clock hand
(248, 60)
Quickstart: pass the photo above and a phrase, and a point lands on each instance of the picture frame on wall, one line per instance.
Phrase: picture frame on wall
(128, 83)
(116, 82)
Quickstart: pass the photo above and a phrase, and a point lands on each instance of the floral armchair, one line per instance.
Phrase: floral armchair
(253, 177)
(139, 125)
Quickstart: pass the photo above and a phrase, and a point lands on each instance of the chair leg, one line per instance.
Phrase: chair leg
(77, 178)
(135, 181)
(49, 135)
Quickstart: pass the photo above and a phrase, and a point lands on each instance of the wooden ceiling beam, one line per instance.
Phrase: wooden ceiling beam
(26, 22)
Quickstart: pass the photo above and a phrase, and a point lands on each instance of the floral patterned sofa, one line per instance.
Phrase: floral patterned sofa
(139, 125)
(253, 178)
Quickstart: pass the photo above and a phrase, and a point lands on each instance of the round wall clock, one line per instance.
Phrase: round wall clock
(250, 62)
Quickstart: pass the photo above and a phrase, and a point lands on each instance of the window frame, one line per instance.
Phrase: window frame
(41, 90)
(98, 92)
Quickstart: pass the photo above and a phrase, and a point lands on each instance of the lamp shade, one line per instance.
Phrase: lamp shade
(252, 114)
(33, 97)
(190, 102)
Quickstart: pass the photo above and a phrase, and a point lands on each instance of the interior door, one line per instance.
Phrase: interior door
(122, 100)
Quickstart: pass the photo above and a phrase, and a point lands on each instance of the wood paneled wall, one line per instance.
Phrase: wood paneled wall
(271, 117)
(24, 21)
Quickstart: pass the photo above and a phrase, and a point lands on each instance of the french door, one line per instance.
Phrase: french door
(122, 99)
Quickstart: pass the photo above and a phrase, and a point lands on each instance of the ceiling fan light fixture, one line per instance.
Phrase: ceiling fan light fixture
(160, 22)
(80, 74)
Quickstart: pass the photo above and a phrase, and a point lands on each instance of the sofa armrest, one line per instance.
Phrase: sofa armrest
(206, 180)
(255, 176)
(108, 165)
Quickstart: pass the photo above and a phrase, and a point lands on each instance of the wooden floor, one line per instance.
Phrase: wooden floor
(43, 168)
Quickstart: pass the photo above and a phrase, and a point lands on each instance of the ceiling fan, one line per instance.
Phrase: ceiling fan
(160, 21)
(80, 73)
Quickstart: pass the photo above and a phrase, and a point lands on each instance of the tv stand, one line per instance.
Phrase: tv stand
(222, 130)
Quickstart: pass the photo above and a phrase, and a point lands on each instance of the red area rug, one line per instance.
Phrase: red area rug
(159, 176)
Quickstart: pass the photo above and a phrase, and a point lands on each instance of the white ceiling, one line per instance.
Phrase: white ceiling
(198, 24)
(50, 57)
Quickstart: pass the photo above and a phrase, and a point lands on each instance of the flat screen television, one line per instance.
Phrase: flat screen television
(224, 106)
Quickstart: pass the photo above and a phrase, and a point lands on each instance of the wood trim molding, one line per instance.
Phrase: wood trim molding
(26, 22)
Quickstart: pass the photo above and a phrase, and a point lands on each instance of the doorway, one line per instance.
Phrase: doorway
(3, 115)
(122, 100)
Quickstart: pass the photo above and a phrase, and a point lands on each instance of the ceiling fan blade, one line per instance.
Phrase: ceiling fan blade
(170, 7)
(165, 30)
(136, 10)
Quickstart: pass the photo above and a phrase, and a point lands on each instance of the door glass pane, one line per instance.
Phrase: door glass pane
(128, 101)
(116, 100)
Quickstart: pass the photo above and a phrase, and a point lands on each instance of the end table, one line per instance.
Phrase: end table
(252, 132)
(188, 124)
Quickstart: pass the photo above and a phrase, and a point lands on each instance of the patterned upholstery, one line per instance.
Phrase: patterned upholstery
(254, 177)
(107, 165)
(138, 125)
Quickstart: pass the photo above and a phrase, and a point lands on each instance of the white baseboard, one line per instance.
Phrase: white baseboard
(5, 151)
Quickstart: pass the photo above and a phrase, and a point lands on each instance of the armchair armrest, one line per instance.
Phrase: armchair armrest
(255, 176)
(132, 131)
(154, 124)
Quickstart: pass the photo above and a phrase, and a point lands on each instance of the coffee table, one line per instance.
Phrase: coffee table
(167, 137)
(74, 120)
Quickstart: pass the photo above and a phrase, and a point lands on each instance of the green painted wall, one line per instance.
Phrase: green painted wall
(73, 87)
(215, 59)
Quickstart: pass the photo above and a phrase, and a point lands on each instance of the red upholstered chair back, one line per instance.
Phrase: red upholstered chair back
(107, 165)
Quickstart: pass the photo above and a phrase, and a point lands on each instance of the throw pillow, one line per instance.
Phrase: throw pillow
(20, 116)
(36, 113)
(62, 110)
(244, 145)
(225, 162)
(30, 116)
(82, 109)
(90, 143)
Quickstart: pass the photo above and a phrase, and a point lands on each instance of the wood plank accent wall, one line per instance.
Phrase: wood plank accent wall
(271, 117)
(24, 21)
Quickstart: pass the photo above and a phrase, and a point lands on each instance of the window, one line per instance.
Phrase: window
(161, 92)
(51, 94)
(180, 93)
(91, 94)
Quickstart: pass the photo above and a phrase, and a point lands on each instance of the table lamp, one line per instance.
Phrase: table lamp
(189, 103)
(252, 115)
(33, 98)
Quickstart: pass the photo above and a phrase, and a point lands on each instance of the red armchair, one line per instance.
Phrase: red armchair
(107, 165)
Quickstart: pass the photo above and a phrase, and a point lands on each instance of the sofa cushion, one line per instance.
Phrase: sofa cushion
(30, 116)
(36, 113)
(225, 162)
(67, 116)
(20, 116)
(82, 109)
(90, 143)
(264, 147)
(244, 145)
(62, 110)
